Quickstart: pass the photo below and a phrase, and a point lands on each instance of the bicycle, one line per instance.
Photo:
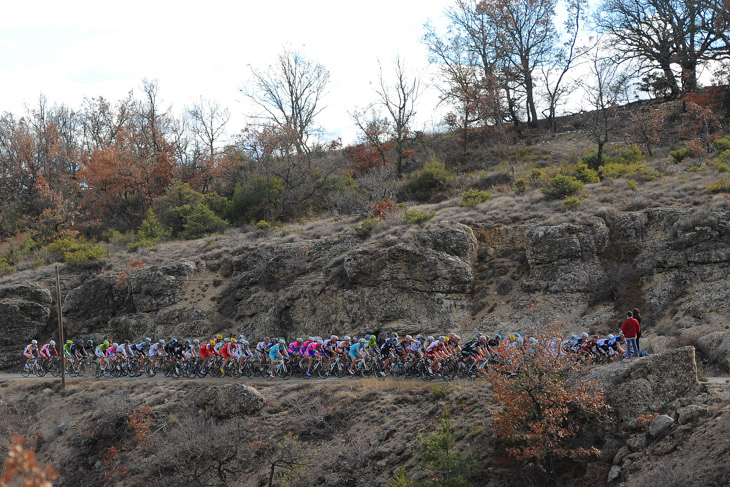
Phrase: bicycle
(32, 367)
(282, 369)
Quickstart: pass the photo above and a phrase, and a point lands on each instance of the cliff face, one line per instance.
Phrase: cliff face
(674, 264)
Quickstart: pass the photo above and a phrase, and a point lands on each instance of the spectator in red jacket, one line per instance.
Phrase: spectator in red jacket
(631, 329)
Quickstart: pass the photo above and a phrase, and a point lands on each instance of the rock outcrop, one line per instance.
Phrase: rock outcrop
(25, 310)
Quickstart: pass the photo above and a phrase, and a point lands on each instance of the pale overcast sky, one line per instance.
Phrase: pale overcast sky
(68, 50)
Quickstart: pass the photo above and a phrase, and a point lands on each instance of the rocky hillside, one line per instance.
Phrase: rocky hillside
(464, 270)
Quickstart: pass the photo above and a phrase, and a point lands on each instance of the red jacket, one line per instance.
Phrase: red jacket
(630, 328)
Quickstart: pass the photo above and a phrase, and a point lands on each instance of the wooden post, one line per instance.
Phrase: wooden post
(60, 329)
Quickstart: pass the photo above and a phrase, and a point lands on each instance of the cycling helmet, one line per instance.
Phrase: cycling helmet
(126, 341)
(455, 337)
(281, 340)
(498, 336)
(174, 340)
(90, 341)
(334, 337)
(533, 340)
(362, 340)
(346, 338)
(241, 337)
(187, 341)
(34, 342)
(52, 343)
(584, 335)
(233, 340)
(319, 342)
(196, 341)
(442, 338)
(244, 342)
(106, 342)
(430, 338)
(148, 339)
(518, 335)
(226, 339)
(80, 343)
(162, 342)
(115, 345)
(408, 337)
(212, 343)
(143, 344)
(610, 336)
(219, 337)
(69, 342)
(367, 337)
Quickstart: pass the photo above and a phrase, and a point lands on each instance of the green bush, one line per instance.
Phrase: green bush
(722, 186)
(520, 185)
(433, 179)
(116, 237)
(203, 221)
(151, 230)
(722, 145)
(571, 203)
(256, 197)
(74, 252)
(449, 468)
(416, 217)
(584, 174)
(263, 225)
(639, 171)
(6, 267)
(367, 227)
(679, 154)
(561, 186)
(84, 255)
(473, 197)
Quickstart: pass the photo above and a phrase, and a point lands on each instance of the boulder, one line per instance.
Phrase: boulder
(635, 387)
(660, 425)
(716, 347)
(691, 413)
(614, 474)
(154, 288)
(226, 400)
(637, 442)
(25, 311)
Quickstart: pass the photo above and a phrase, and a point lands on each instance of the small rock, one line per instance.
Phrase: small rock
(664, 447)
(622, 453)
(691, 413)
(614, 474)
(637, 442)
(660, 425)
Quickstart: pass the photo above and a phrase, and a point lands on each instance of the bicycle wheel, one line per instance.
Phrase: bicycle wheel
(249, 370)
(340, 369)
(285, 371)
(323, 370)
(39, 369)
(26, 369)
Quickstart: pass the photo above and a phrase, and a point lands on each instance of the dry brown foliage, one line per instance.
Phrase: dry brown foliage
(544, 403)
(22, 469)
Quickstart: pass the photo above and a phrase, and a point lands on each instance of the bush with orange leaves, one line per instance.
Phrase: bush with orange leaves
(22, 469)
(545, 405)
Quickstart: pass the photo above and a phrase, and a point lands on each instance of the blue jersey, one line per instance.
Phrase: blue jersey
(275, 351)
(354, 350)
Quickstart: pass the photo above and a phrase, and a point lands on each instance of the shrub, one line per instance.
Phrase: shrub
(203, 221)
(722, 145)
(543, 408)
(433, 179)
(84, 255)
(74, 252)
(561, 186)
(520, 185)
(416, 217)
(632, 183)
(367, 227)
(721, 186)
(584, 174)
(473, 197)
(115, 237)
(263, 225)
(571, 203)
(151, 230)
(6, 267)
(448, 466)
(679, 154)
(616, 170)
(384, 209)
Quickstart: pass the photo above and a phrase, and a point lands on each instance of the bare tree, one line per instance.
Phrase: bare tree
(399, 101)
(290, 95)
(562, 60)
(674, 37)
(208, 122)
(604, 94)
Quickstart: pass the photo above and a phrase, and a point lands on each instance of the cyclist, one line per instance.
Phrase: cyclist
(78, 352)
(388, 350)
(276, 353)
(207, 351)
(357, 352)
(156, 351)
(46, 351)
(30, 352)
(314, 350)
(227, 351)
